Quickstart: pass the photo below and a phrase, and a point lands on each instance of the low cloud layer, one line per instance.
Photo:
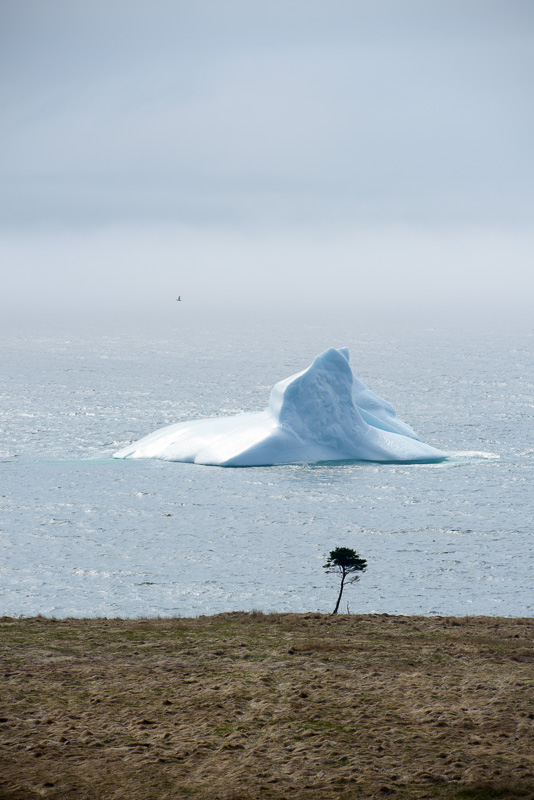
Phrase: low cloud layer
(227, 140)
(223, 111)
(400, 274)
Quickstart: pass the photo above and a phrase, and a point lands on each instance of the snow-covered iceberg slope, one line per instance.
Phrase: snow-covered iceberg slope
(321, 414)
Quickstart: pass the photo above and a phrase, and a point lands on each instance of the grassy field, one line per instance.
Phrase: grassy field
(247, 706)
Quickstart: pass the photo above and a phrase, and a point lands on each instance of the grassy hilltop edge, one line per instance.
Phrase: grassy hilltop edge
(242, 706)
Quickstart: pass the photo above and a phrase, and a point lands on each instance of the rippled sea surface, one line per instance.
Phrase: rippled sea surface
(83, 534)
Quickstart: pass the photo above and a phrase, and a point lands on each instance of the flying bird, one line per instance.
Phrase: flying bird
(179, 298)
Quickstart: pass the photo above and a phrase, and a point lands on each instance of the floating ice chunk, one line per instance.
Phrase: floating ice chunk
(323, 413)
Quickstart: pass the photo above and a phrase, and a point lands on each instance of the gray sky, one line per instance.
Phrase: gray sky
(353, 154)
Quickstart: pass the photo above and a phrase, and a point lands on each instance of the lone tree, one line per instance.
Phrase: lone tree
(345, 562)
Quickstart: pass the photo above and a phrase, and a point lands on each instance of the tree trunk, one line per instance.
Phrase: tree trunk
(340, 593)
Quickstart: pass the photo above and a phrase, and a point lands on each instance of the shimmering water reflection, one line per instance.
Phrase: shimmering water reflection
(83, 534)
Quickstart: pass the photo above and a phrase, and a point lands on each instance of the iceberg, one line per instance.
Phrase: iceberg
(324, 413)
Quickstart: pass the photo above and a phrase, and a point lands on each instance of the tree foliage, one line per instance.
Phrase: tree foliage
(347, 564)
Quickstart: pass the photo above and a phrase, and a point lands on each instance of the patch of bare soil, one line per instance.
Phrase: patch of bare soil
(248, 706)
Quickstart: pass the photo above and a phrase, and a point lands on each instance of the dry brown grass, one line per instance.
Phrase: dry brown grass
(248, 706)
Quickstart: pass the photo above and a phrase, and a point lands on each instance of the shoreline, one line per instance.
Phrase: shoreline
(258, 613)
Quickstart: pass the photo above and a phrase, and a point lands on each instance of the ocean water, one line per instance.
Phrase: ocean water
(83, 534)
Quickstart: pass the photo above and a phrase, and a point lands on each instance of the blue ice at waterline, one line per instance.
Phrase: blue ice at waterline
(324, 413)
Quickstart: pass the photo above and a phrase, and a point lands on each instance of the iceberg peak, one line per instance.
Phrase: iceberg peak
(324, 413)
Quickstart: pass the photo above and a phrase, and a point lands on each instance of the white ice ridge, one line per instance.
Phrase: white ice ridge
(321, 414)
